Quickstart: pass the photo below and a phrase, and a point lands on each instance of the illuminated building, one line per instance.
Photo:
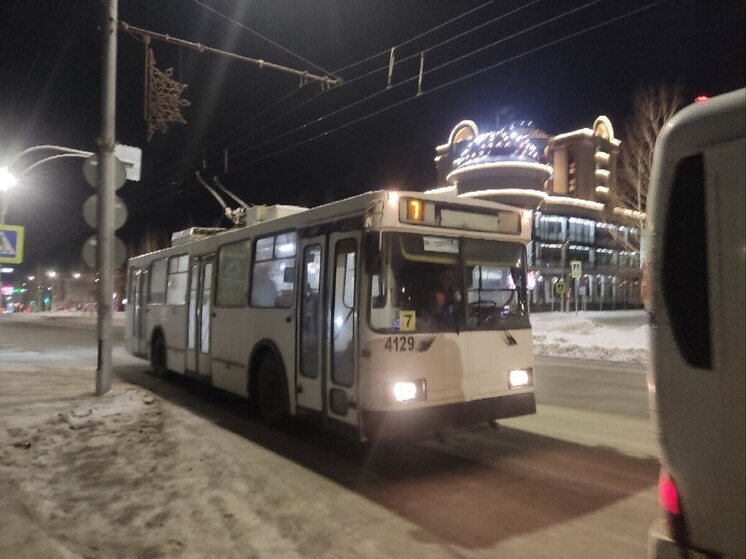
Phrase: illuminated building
(565, 181)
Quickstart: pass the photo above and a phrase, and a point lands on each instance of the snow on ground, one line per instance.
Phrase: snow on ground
(598, 335)
(158, 473)
(80, 317)
(131, 474)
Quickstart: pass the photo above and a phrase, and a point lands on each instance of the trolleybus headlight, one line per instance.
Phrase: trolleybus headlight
(520, 378)
(410, 390)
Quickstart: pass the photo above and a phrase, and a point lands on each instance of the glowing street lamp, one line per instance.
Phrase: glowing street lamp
(7, 181)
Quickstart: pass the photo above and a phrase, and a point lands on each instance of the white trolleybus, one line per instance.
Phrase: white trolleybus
(384, 315)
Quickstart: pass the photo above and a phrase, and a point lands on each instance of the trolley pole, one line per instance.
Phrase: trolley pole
(106, 188)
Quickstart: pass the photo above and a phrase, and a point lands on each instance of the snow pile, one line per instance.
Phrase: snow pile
(603, 336)
(116, 477)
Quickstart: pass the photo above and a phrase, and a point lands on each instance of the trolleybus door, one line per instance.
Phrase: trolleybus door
(199, 314)
(342, 349)
(309, 378)
(204, 322)
(192, 317)
(140, 303)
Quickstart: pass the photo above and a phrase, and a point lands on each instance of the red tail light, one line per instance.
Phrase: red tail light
(668, 494)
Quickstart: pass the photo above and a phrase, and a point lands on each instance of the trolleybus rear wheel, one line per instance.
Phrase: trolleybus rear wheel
(158, 355)
(272, 392)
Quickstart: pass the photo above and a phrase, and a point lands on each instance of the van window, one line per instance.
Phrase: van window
(684, 263)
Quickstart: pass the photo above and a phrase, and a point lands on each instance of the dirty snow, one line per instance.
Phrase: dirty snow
(620, 336)
(600, 335)
(158, 473)
(131, 475)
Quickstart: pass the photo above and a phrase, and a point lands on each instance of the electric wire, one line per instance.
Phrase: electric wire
(403, 82)
(587, 29)
(369, 73)
(412, 39)
(263, 37)
(144, 204)
(255, 132)
(211, 154)
(439, 87)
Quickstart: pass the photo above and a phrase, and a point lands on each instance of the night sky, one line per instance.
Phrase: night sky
(50, 81)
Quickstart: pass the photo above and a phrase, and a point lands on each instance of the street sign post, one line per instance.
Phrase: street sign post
(11, 244)
(576, 272)
(560, 287)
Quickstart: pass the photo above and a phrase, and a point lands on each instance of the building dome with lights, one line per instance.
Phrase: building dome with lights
(503, 145)
(504, 165)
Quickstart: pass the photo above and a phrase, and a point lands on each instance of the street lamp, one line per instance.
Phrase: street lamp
(7, 181)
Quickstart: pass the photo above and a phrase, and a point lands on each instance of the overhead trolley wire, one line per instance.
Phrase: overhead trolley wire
(369, 73)
(217, 152)
(316, 121)
(436, 88)
(412, 39)
(415, 77)
(263, 37)
(168, 195)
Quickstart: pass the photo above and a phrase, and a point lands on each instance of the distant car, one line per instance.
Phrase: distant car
(697, 240)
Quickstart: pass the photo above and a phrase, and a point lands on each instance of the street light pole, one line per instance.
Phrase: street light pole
(106, 187)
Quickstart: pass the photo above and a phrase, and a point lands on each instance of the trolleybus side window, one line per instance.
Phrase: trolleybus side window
(373, 266)
(158, 281)
(344, 306)
(684, 266)
(311, 311)
(177, 279)
(273, 273)
(234, 261)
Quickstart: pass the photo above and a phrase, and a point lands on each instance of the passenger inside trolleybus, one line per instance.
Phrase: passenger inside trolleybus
(428, 275)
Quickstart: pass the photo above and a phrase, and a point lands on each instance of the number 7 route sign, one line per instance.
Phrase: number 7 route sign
(11, 244)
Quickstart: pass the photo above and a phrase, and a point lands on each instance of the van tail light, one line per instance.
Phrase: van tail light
(670, 502)
(668, 495)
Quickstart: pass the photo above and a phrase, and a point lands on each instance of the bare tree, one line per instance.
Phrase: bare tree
(651, 109)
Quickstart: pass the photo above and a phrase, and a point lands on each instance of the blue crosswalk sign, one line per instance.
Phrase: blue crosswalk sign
(11, 244)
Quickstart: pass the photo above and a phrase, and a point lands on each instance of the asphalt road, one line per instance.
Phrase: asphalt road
(576, 480)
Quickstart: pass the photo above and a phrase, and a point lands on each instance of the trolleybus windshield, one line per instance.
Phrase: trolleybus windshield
(423, 283)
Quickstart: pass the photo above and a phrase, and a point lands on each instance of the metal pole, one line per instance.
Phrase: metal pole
(577, 294)
(106, 188)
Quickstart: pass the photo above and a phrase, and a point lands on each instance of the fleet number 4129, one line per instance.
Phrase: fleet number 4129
(400, 343)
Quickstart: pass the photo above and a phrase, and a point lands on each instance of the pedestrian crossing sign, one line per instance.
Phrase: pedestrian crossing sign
(576, 269)
(11, 244)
